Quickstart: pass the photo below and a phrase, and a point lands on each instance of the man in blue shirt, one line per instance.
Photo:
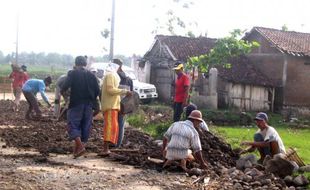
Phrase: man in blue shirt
(30, 90)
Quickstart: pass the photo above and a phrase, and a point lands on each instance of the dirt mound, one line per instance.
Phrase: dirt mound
(49, 136)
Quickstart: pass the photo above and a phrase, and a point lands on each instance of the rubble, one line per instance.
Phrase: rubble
(141, 150)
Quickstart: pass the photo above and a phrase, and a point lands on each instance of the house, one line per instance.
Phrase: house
(242, 86)
(165, 51)
(284, 56)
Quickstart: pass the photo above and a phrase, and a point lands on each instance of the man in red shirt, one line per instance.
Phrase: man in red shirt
(181, 91)
(19, 78)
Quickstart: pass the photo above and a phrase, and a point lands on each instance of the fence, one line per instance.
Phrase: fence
(5, 86)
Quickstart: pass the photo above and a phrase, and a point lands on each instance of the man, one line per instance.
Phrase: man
(188, 110)
(59, 83)
(125, 83)
(180, 138)
(181, 91)
(84, 90)
(266, 139)
(110, 106)
(24, 69)
(19, 78)
(30, 90)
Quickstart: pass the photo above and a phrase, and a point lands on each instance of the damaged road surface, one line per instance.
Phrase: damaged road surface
(38, 155)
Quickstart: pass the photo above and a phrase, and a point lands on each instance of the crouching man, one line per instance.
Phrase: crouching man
(266, 140)
(181, 139)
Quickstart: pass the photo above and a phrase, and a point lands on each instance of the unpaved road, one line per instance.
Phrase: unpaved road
(26, 170)
(36, 155)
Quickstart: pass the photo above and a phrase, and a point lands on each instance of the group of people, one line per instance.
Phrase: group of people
(181, 141)
(84, 91)
(29, 87)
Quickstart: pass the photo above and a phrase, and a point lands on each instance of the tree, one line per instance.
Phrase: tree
(224, 49)
(174, 24)
(1, 57)
(284, 28)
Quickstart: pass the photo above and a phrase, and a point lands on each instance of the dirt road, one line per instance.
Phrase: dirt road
(37, 155)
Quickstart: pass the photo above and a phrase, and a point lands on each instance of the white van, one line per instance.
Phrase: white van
(147, 92)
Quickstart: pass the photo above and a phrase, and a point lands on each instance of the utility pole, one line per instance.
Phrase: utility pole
(17, 30)
(112, 31)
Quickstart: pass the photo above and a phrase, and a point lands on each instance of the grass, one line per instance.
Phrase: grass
(38, 72)
(296, 138)
(5, 70)
(292, 136)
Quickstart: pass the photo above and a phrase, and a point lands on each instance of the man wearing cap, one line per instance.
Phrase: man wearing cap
(266, 139)
(182, 84)
(84, 90)
(30, 90)
(180, 138)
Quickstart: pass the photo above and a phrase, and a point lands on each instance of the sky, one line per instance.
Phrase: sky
(74, 26)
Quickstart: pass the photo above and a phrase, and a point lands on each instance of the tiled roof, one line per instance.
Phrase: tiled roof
(244, 72)
(290, 42)
(184, 47)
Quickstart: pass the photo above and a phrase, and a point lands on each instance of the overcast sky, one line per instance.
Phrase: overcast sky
(73, 26)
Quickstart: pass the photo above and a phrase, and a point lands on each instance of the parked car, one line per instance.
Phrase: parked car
(147, 92)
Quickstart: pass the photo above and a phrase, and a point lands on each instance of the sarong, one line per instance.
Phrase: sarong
(110, 128)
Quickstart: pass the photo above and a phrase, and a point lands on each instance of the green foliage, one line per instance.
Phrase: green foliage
(284, 28)
(39, 72)
(224, 49)
(173, 23)
(136, 120)
(156, 130)
(228, 117)
(143, 119)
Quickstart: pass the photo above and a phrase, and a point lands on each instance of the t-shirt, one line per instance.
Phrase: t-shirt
(83, 85)
(181, 137)
(34, 86)
(180, 84)
(270, 134)
(19, 78)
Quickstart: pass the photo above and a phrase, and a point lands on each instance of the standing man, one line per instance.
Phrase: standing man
(182, 85)
(19, 78)
(180, 138)
(84, 90)
(125, 83)
(266, 140)
(110, 106)
(30, 90)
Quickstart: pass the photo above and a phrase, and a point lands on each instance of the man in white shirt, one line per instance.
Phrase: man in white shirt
(266, 139)
(180, 138)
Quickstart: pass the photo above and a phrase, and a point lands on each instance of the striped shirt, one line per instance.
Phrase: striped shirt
(181, 136)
